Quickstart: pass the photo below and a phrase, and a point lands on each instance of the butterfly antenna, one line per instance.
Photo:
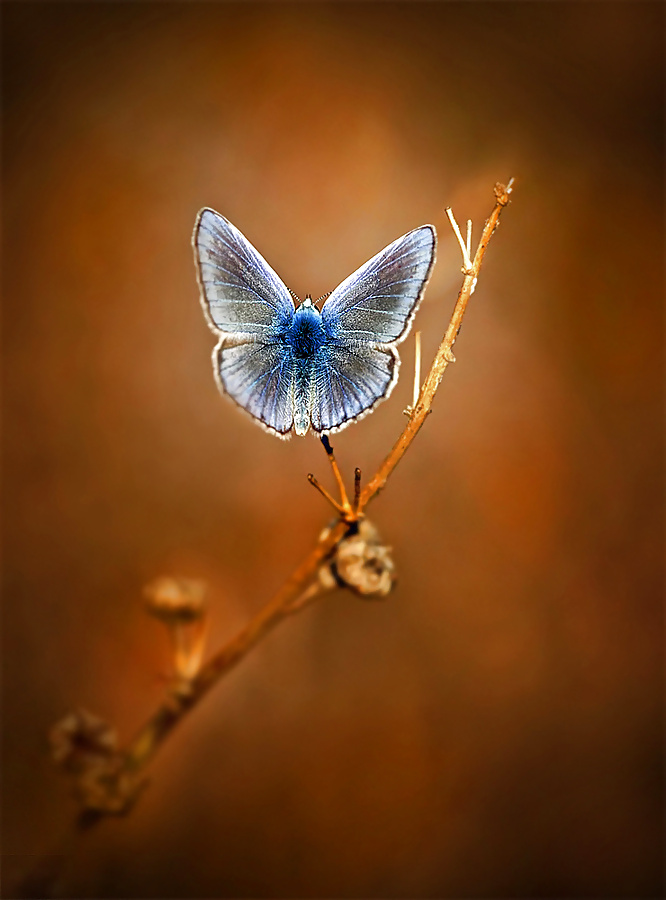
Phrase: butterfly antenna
(294, 295)
(323, 296)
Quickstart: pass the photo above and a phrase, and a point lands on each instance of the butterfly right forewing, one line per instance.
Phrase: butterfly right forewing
(377, 303)
(247, 304)
(240, 293)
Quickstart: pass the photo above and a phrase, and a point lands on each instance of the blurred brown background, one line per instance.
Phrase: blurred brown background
(494, 728)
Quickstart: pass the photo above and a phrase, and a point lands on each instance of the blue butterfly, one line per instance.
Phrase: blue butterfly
(296, 367)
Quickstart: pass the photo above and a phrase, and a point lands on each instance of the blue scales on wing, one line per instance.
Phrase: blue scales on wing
(241, 293)
(349, 381)
(365, 317)
(247, 304)
(260, 378)
(377, 303)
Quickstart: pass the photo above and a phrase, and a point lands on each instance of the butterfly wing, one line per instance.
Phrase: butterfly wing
(349, 382)
(365, 317)
(377, 303)
(259, 376)
(248, 305)
(240, 293)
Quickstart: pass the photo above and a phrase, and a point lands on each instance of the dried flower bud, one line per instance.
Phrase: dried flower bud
(105, 786)
(87, 747)
(79, 738)
(361, 563)
(176, 599)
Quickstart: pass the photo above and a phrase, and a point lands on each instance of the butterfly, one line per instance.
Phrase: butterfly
(299, 368)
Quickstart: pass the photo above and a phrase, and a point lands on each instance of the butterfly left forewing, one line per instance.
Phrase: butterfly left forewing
(377, 303)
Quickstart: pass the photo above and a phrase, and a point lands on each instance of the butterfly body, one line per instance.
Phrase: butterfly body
(306, 334)
(299, 368)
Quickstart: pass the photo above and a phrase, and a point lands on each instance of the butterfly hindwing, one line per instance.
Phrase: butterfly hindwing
(241, 293)
(260, 378)
(349, 381)
(377, 303)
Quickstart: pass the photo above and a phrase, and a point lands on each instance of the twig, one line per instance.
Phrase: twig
(467, 267)
(170, 713)
(300, 588)
(325, 494)
(345, 506)
(168, 716)
(357, 491)
(444, 354)
(417, 368)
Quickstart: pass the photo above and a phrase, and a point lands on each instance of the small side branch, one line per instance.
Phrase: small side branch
(444, 354)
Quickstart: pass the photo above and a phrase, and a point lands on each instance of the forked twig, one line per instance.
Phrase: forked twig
(444, 354)
(301, 587)
(150, 737)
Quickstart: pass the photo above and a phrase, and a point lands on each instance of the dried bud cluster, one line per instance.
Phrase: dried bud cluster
(176, 599)
(86, 747)
(79, 737)
(362, 563)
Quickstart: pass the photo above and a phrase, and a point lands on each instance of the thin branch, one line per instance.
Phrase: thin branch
(357, 490)
(466, 252)
(172, 710)
(417, 368)
(300, 588)
(325, 494)
(345, 506)
(444, 354)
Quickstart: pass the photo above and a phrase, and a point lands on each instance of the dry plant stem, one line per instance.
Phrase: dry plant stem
(325, 494)
(300, 589)
(171, 712)
(296, 592)
(444, 354)
(417, 369)
(345, 507)
(280, 607)
(357, 491)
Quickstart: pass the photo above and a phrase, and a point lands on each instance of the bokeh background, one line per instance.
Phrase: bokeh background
(494, 729)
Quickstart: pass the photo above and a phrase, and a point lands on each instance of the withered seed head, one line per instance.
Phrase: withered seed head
(176, 599)
(80, 737)
(362, 563)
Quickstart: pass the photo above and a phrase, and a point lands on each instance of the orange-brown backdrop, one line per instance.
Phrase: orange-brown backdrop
(494, 728)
